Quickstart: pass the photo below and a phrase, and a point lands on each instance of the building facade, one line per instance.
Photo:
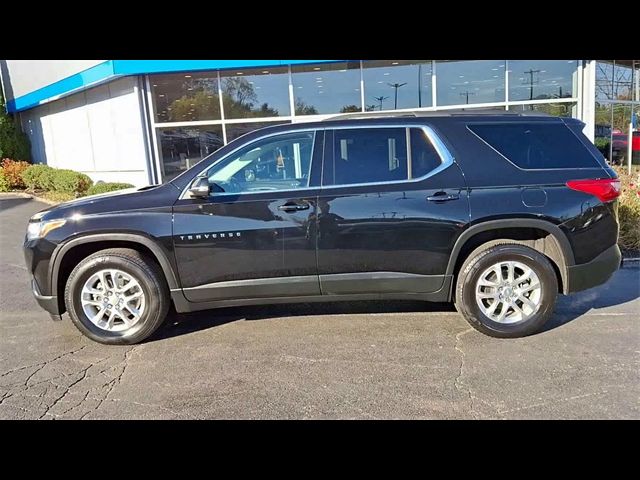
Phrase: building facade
(146, 121)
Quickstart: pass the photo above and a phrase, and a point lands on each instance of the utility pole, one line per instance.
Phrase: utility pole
(381, 99)
(466, 95)
(531, 82)
(396, 86)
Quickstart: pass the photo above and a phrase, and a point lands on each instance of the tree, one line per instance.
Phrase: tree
(304, 109)
(238, 96)
(239, 90)
(201, 105)
(349, 109)
(613, 82)
(14, 144)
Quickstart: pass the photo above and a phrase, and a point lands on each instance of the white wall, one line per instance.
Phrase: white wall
(26, 76)
(98, 132)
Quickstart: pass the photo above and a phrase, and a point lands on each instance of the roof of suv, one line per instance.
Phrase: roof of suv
(409, 117)
(440, 113)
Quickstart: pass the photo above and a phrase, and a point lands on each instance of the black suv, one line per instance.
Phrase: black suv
(498, 212)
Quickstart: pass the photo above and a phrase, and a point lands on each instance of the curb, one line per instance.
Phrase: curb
(29, 195)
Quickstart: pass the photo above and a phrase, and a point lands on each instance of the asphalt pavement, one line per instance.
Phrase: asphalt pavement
(361, 360)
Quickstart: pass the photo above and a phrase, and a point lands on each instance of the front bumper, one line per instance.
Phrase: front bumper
(594, 273)
(49, 303)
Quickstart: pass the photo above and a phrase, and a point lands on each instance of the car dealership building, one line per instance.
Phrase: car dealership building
(145, 121)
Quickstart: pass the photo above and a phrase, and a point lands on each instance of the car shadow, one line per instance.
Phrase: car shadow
(184, 323)
(622, 288)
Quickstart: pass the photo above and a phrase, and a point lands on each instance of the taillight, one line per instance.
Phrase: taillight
(605, 189)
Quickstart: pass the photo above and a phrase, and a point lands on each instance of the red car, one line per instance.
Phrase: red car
(620, 144)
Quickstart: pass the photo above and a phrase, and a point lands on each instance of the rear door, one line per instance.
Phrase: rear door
(392, 204)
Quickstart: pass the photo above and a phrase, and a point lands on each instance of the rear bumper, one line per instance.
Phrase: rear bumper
(49, 303)
(595, 272)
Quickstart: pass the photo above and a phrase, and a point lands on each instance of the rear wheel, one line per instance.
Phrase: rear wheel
(117, 296)
(506, 290)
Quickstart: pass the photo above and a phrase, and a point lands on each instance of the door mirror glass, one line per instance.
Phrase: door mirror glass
(200, 188)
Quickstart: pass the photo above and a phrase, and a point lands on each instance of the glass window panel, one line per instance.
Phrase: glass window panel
(636, 138)
(542, 79)
(326, 88)
(555, 109)
(464, 82)
(409, 79)
(182, 148)
(259, 92)
(280, 162)
(636, 81)
(364, 155)
(235, 130)
(620, 120)
(185, 97)
(424, 157)
(614, 80)
(536, 145)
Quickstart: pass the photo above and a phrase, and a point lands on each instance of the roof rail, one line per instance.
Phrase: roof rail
(437, 113)
(360, 116)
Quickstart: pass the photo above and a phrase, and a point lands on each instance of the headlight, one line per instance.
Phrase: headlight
(40, 229)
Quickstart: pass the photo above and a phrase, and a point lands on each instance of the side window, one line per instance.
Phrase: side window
(424, 157)
(367, 155)
(537, 145)
(281, 162)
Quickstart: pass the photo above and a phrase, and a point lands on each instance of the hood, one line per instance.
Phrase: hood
(152, 196)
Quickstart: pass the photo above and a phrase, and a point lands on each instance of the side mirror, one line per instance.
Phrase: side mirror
(200, 188)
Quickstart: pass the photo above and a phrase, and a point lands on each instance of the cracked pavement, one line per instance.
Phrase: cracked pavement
(362, 360)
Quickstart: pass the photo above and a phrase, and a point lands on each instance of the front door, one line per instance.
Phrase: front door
(391, 207)
(255, 236)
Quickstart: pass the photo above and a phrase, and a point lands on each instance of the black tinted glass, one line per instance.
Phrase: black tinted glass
(424, 157)
(537, 146)
(370, 155)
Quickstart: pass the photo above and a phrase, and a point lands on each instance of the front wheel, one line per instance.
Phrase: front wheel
(507, 290)
(117, 296)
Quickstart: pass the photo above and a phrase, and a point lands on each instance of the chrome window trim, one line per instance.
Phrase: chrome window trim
(443, 152)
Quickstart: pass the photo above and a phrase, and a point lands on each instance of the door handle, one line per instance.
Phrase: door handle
(443, 197)
(293, 207)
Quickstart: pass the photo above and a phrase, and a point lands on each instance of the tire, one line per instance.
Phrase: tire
(128, 264)
(515, 324)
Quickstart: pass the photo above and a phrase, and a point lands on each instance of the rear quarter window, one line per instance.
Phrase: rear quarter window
(534, 146)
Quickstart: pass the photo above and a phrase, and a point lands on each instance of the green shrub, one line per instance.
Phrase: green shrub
(69, 181)
(602, 143)
(35, 177)
(13, 172)
(107, 187)
(4, 183)
(46, 179)
(629, 210)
